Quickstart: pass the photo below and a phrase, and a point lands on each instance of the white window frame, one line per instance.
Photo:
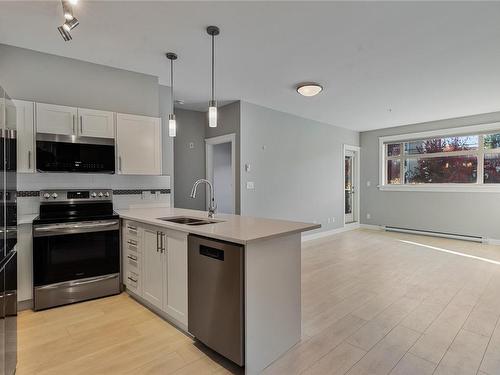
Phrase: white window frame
(479, 186)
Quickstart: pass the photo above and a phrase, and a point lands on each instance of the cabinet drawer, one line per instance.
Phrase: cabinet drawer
(133, 281)
(133, 261)
(131, 245)
(131, 231)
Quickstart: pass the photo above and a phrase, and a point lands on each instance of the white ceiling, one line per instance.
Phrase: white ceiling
(382, 63)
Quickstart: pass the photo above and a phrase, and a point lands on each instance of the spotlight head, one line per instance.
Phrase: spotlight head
(70, 25)
(65, 34)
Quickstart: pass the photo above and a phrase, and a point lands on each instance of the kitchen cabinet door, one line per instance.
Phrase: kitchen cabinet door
(25, 119)
(176, 297)
(153, 269)
(94, 123)
(56, 119)
(138, 141)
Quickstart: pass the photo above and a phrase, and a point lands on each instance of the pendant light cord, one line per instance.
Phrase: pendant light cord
(213, 67)
(172, 83)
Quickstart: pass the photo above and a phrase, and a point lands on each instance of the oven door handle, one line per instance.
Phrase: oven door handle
(47, 230)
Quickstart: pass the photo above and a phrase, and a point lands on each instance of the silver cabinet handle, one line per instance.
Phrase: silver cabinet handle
(29, 159)
(81, 125)
(74, 118)
(120, 163)
(131, 279)
(132, 258)
(163, 240)
(132, 242)
(157, 242)
(133, 229)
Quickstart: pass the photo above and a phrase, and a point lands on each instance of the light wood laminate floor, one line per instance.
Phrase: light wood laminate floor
(373, 303)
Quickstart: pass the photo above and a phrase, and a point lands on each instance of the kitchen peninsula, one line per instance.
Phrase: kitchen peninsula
(155, 253)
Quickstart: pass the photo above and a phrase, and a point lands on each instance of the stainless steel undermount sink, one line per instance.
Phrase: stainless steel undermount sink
(189, 220)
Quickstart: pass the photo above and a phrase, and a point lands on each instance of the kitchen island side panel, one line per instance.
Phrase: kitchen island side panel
(272, 299)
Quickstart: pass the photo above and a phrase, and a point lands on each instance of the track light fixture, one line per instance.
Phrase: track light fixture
(67, 10)
(71, 21)
(172, 124)
(212, 104)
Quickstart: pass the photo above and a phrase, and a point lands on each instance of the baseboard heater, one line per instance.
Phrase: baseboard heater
(435, 234)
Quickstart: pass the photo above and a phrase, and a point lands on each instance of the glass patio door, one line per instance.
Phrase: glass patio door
(349, 188)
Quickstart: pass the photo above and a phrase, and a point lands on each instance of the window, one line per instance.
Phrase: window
(464, 158)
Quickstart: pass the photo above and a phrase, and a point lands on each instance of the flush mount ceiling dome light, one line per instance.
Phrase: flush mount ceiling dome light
(309, 89)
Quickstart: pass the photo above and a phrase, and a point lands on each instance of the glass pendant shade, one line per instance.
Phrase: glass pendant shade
(212, 114)
(172, 125)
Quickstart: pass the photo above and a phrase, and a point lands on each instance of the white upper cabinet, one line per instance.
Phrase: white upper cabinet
(94, 123)
(138, 141)
(25, 136)
(56, 119)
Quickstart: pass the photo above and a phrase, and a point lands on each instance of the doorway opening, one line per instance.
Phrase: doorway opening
(351, 184)
(221, 171)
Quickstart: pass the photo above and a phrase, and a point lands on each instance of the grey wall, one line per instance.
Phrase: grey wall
(296, 165)
(167, 164)
(476, 214)
(37, 76)
(189, 162)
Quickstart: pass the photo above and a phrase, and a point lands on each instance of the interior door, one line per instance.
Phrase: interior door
(93, 123)
(153, 261)
(55, 119)
(349, 188)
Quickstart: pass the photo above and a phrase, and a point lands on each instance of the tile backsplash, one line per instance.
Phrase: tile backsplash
(135, 190)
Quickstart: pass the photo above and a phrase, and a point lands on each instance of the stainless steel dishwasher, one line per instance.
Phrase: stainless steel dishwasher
(216, 296)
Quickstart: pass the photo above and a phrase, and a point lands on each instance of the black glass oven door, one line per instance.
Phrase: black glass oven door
(74, 254)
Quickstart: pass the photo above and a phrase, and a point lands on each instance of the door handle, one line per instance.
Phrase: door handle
(29, 159)
(81, 125)
(74, 118)
(157, 241)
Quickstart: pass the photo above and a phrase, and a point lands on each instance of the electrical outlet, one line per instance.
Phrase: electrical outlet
(368, 216)
(191, 145)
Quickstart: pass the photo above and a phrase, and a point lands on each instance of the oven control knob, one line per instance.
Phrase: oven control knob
(93, 195)
(101, 195)
(46, 195)
(106, 195)
(54, 195)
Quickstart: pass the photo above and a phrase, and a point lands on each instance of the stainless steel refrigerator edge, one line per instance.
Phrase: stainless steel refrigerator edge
(8, 235)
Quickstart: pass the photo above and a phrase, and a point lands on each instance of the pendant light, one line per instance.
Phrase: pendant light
(172, 125)
(212, 104)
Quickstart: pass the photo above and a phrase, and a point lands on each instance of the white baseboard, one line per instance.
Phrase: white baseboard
(372, 227)
(326, 233)
(492, 241)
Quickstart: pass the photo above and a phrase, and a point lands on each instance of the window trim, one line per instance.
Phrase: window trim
(442, 187)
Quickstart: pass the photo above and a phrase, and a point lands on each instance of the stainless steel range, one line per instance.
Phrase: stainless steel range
(76, 250)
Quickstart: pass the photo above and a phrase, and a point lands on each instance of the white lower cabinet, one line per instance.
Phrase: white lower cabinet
(155, 267)
(175, 297)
